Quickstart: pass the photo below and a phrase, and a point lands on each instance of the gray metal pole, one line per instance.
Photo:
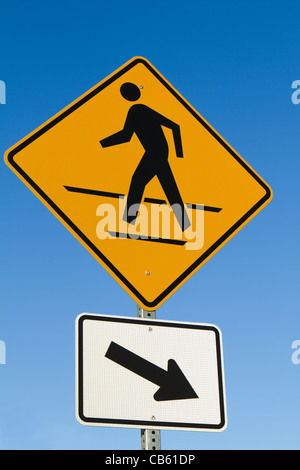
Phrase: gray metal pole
(150, 437)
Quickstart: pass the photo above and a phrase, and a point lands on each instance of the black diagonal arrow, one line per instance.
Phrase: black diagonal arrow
(172, 382)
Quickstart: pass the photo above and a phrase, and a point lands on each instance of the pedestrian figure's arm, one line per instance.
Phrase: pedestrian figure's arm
(177, 140)
(176, 134)
(119, 137)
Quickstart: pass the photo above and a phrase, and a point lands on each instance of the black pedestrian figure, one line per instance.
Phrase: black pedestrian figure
(146, 123)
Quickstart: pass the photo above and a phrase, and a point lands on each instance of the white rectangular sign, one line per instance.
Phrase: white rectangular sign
(153, 374)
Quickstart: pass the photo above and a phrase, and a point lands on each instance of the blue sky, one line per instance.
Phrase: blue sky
(235, 62)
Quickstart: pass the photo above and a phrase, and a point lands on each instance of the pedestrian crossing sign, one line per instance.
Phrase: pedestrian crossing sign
(141, 180)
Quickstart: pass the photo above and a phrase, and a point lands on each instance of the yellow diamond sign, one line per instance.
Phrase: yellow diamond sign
(141, 180)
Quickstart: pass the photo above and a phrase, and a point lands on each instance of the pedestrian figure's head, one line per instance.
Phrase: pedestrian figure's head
(130, 92)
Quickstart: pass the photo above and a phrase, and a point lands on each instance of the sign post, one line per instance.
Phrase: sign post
(152, 191)
(151, 438)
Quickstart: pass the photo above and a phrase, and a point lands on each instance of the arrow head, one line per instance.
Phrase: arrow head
(175, 385)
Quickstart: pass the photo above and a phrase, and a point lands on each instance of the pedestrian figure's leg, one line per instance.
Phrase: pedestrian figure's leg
(141, 177)
(170, 188)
